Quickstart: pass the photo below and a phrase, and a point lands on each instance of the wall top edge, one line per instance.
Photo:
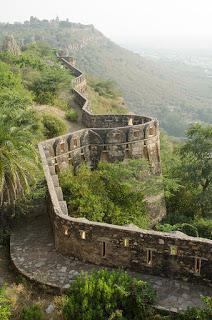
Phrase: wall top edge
(176, 235)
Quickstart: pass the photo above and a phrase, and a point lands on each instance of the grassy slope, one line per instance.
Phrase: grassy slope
(177, 94)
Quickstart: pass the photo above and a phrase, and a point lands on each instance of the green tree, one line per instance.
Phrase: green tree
(187, 182)
(119, 198)
(53, 125)
(108, 295)
(18, 160)
(197, 165)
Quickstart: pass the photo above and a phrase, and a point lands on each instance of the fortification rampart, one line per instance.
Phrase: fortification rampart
(112, 138)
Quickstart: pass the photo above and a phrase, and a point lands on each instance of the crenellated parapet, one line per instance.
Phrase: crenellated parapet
(116, 138)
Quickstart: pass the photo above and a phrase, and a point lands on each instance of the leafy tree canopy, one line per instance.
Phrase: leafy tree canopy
(120, 196)
(187, 174)
(108, 295)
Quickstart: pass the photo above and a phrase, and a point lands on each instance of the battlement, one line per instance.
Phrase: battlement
(116, 138)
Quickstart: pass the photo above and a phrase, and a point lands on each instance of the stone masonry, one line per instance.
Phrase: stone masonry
(116, 138)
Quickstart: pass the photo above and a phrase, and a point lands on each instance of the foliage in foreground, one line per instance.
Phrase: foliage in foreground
(53, 126)
(108, 295)
(119, 197)
(203, 313)
(18, 160)
(5, 306)
(32, 312)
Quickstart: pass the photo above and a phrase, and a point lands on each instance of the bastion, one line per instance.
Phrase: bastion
(114, 138)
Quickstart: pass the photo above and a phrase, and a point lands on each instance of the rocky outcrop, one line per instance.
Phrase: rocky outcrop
(10, 44)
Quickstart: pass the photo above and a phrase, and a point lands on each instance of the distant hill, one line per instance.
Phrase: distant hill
(175, 93)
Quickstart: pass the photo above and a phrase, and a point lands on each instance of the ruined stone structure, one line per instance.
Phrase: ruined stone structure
(116, 138)
(10, 44)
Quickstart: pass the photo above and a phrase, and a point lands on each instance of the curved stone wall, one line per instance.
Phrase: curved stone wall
(111, 138)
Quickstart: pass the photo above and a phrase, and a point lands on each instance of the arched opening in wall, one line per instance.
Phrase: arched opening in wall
(197, 266)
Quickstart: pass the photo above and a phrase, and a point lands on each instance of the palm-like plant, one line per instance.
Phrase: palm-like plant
(19, 162)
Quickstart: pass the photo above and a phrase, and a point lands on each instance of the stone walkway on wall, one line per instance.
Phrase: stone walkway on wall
(33, 254)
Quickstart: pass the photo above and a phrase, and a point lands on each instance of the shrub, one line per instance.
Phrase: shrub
(71, 115)
(165, 227)
(203, 313)
(32, 312)
(53, 126)
(15, 99)
(105, 88)
(61, 102)
(204, 227)
(108, 295)
(44, 98)
(188, 229)
(177, 218)
(47, 86)
(5, 306)
(115, 200)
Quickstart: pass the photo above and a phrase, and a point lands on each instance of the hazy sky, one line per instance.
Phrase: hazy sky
(120, 19)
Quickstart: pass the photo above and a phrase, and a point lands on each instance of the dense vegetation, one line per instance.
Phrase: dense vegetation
(108, 295)
(175, 93)
(123, 188)
(120, 196)
(30, 77)
(187, 173)
(25, 79)
(34, 76)
(40, 73)
(103, 294)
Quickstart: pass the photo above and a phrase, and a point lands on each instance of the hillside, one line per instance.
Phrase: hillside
(175, 93)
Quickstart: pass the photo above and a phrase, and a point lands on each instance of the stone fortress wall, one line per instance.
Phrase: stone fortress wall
(111, 138)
